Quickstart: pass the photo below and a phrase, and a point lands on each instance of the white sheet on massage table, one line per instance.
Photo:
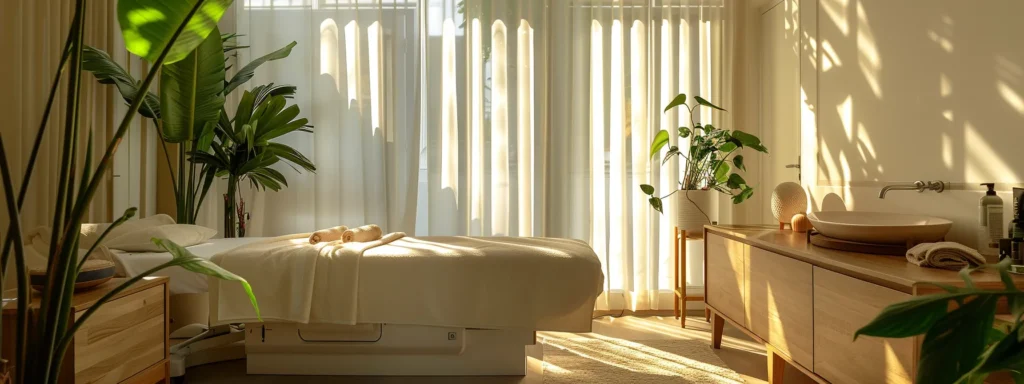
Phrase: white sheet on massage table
(182, 281)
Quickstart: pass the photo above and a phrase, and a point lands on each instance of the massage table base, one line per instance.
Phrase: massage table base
(385, 350)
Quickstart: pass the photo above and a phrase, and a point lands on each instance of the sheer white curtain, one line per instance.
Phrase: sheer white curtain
(480, 117)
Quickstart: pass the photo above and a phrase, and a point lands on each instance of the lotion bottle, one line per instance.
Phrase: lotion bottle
(991, 214)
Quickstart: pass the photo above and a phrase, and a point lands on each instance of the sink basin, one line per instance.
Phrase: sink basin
(880, 227)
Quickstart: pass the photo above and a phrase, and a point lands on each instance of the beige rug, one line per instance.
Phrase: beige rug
(592, 358)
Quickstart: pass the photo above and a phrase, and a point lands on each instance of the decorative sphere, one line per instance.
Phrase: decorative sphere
(788, 199)
(801, 223)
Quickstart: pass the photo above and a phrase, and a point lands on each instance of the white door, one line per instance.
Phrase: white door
(780, 100)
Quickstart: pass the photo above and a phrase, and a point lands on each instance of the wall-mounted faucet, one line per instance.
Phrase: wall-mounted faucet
(919, 186)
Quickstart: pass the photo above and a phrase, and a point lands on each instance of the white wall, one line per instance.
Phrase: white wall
(898, 91)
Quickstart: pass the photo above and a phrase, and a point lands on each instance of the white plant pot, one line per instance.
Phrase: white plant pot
(688, 206)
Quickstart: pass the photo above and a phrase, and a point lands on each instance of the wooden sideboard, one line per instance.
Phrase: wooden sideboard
(125, 341)
(805, 302)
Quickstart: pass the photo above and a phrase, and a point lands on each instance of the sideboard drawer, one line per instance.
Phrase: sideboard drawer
(780, 304)
(725, 277)
(842, 305)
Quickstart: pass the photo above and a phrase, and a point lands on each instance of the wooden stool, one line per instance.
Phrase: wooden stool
(679, 277)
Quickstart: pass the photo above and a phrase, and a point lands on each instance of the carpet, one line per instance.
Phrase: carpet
(592, 358)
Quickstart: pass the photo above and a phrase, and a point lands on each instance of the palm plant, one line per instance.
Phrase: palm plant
(189, 106)
(243, 150)
(168, 33)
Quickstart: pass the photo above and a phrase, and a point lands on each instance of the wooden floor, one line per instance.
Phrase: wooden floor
(738, 351)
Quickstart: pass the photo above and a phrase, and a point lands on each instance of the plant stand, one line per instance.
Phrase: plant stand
(679, 276)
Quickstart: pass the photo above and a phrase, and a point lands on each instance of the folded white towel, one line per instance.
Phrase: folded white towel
(945, 255)
(362, 234)
(327, 235)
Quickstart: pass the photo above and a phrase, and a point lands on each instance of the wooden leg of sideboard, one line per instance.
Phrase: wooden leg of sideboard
(675, 277)
(776, 366)
(717, 326)
(707, 314)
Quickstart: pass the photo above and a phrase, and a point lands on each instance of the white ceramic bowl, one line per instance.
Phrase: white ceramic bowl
(880, 227)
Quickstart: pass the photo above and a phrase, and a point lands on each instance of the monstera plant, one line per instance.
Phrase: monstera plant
(163, 33)
(188, 108)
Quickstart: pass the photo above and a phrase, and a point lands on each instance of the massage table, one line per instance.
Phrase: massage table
(419, 305)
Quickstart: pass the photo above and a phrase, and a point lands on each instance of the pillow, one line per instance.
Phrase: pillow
(139, 240)
(92, 232)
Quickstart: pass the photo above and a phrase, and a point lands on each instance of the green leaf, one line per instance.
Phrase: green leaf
(706, 103)
(249, 70)
(722, 172)
(759, 148)
(647, 188)
(727, 147)
(290, 154)
(738, 162)
(148, 26)
(684, 132)
(743, 196)
(746, 138)
(735, 181)
(953, 343)
(660, 140)
(107, 71)
(656, 203)
(1008, 351)
(905, 319)
(672, 151)
(680, 99)
(200, 265)
(191, 91)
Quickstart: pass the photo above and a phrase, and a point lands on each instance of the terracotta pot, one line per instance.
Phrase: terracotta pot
(688, 206)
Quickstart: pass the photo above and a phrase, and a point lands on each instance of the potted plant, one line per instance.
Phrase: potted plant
(708, 162)
(188, 109)
(170, 32)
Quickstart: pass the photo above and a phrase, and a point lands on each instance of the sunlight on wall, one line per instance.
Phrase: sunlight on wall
(499, 131)
(864, 140)
(352, 60)
(830, 59)
(329, 52)
(869, 59)
(598, 232)
(476, 133)
(449, 111)
(947, 150)
(981, 164)
(845, 110)
(943, 42)
(525, 143)
(1010, 96)
(374, 37)
(836, 11)
(945, 85)
(617, 199)
(640, 134)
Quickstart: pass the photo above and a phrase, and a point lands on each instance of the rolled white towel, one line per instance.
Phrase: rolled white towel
(945, 255)
(362, 234)
(329, 234)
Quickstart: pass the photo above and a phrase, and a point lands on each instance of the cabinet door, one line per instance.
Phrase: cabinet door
(725, 278)
(122, 338)
(780, 303)
(842, 305)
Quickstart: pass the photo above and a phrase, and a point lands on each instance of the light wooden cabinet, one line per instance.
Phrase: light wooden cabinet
(842, 305)
(124, 341)
(725, 282)
(780, 304)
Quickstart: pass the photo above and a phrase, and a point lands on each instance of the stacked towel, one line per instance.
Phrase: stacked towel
(327, 235)
(362, 234)
(945, 255)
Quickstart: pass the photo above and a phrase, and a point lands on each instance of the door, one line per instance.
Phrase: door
(780, 100)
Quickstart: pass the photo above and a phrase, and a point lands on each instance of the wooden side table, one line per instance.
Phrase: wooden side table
(125, 341)
(679, 276)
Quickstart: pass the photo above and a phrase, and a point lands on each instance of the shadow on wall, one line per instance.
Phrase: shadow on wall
(923, 89)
